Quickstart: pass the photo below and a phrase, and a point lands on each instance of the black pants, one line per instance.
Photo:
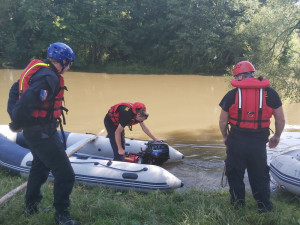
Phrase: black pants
(248, 151)
(48, 155)
(111, 129)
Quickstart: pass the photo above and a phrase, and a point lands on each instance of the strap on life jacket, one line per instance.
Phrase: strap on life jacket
(62, 133)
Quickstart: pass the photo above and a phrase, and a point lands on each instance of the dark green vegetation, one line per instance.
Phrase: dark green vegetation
(157, 36)
(191, 207)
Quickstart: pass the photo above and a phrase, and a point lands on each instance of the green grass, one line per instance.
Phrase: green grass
(95, 205)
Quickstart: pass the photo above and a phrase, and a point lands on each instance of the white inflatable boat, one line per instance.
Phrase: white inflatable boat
(93, 170)
(285, 169)
(160, 152)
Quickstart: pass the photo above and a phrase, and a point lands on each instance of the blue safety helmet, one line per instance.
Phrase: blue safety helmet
(61, 51)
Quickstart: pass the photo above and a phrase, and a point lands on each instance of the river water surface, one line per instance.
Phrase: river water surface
(183, 111)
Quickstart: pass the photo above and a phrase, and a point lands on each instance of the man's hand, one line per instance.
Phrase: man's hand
(158, 140)
(279, 126)
(16, 131)
(273, 142)
(121, 151)
(13, 128)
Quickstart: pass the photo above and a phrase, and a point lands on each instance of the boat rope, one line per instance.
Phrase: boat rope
(276, 185)
(224, 169)
(108, 165)
(222, 179)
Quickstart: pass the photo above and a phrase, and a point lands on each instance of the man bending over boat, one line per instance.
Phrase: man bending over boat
(119, 116)
(248, 109)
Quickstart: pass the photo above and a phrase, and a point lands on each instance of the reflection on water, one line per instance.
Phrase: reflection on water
(183, 110)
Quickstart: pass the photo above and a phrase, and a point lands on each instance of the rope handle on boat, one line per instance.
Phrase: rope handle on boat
(108, 165)
(24, 185)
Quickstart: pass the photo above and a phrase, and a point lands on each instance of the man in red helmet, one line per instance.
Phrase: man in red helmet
(119, 116)
(248, 109)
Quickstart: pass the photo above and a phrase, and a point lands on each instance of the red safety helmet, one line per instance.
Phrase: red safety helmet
(243, 67)
(138, 105)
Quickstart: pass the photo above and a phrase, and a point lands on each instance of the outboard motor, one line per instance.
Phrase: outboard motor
(156, 153)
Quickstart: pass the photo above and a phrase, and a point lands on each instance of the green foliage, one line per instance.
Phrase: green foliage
(204, 37)
(272, 45)
(176, 36)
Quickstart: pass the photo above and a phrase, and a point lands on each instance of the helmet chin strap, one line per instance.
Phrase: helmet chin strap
(62, 69)
(58, 70)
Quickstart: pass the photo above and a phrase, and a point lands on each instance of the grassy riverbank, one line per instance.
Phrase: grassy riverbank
(102, 206)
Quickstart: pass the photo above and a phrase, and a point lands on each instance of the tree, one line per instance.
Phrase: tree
(273, 44)
(25, 31)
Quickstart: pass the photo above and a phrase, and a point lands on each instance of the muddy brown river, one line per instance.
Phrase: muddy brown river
(183, 111)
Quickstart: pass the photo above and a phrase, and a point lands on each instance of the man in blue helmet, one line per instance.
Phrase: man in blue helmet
(36, 110)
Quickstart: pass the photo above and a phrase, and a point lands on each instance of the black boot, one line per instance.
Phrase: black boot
(264, 208)
(63, 218)
(237, 203)
(29, 210)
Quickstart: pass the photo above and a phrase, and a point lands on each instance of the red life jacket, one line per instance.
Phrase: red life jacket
(54, 106)
(250, 109)
(114, 115)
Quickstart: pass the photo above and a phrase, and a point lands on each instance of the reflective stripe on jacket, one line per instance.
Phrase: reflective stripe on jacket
(52, 107)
